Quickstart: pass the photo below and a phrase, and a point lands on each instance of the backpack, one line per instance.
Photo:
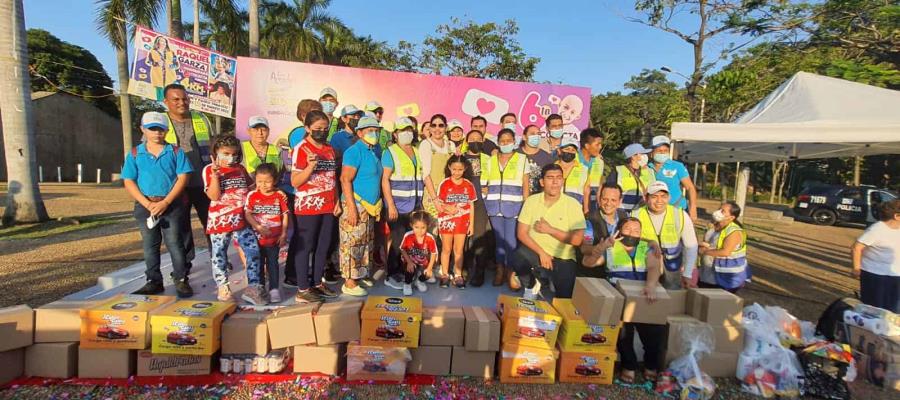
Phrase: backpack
(831, 323)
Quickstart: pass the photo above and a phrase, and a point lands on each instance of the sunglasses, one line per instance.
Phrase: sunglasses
(438, 125)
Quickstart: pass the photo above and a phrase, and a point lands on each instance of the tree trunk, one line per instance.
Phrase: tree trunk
(784, 175)
(124, 100)
(716, 178)
(253, 10)
(176, 29)
(23, 199)
(774, 182)
(857, 162)
(196, 35)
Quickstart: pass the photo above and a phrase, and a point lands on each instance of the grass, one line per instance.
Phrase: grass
(59, 226)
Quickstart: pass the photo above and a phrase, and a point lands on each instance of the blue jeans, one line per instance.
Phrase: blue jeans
(246, 238)
(168, 229)
(269, 259)
(313, 233)
(505, 234)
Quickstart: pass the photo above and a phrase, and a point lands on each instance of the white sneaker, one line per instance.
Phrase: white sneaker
(431, 280)
(407, 289)
(393, 283)
(275, 296)
(421, 286)
(378, 275)
(366, 282)
(535, 292)
(357, 291)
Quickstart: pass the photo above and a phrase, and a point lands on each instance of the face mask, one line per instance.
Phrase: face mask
(475, 147)
(328, 107)
(534, 140)
(404, 138)
(227, 158)
(661, 158)
(556, 134)
(507, 148)
(511, 126)
(353, 122)
(718, 216)
(643, 160)
(630, 241)
(567, 157)
(319, 136)
(371, 138)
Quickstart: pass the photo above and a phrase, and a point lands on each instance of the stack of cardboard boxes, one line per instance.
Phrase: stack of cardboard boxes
(186, 335)
(17, 331)
(529, 330)
(334, 325)
(877, 357)
(390, 328)
(716, 310)
(587, 350)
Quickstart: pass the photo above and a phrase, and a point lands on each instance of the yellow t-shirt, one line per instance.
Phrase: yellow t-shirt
(564, 215)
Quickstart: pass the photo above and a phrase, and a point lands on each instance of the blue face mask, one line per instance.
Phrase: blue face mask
(371, 138)
(328, 107)
(534, 140)
(661, 158)
(556, 133)
(511, 126)
(507, 148)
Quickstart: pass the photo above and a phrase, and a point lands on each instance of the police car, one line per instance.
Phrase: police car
(829, 204)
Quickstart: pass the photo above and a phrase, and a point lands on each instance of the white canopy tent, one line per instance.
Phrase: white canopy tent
(808, 116)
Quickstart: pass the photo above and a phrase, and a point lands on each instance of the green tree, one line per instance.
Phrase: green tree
(488, 50)
(296, 32)
(57, 65)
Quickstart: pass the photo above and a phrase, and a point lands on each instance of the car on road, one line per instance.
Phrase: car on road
(830, 204)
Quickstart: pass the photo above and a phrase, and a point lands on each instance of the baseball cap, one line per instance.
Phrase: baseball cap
(328, 92)
(634, 148)
(155, 120)
(402, 123)
(256, 120)
(569, 141)
(659, 141)
(350, 109)
(373, 105)
(657, 186)
(453, 124)
(367, 122)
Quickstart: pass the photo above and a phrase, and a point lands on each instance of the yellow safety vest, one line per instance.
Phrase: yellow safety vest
(621, 265)
(631, 190)
(505, 195)
(575, 181)
(407, 181)
(669, 237)
(252, 161)
(201, 134)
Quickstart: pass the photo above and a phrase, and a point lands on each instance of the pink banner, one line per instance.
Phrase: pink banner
(273, 88)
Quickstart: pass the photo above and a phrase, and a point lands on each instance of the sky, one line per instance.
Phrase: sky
(580, 42)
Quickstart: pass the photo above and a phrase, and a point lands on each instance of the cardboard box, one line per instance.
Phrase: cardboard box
(482, 330)
(443, 326)
(149, 364)
(586, 367)
(430, 360)
(122, 322)
(598, 301)
(528, 322)
(880, 348)
(577, 334)
(292, 326)
(524, 364)
(59, 321)
(693, 302)
(478, 364)
(391, 321)
(337, 322)
(720, 365)
(718, 307)
(51, 360)
(328, 359)
(189, 327)
(106, 363)
(877, 373)
(16, 327)
(376, 363)
(13, 362)
(729, 339)
(245, 332)
(679, 326)
(638, 309)
(678, 303)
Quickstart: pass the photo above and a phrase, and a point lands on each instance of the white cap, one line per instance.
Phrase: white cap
(351, 109)
(569, 141)
(635, 148)
(256, 120)
(657, 186)
(328, 92)
(373, 105)
(453, 124)
(659, 141)
(154, 119)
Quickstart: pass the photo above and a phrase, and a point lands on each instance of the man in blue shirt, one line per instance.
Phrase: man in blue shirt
(346, 136)
(675, 175)
(155, 174)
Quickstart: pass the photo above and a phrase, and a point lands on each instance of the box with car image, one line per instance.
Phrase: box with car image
(577, 366)
(376, 363)
(525, 364)
(391, 321)
(528, 322)
(577, 334)
(122, 322)
(189, 327)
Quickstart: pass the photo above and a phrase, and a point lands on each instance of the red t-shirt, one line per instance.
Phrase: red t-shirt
(419, 252)
(462, 195)
(268, 211)
(318, 194)
(227, 213)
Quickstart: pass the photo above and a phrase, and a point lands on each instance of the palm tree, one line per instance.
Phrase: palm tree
(111, 17)
(23, 195)
(176, 29)
(196, 33)
(254, 27)
(297, 32)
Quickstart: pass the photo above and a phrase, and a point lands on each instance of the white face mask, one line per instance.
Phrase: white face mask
(718, 216)
(226, 158)
(643, 160)
(404, 138)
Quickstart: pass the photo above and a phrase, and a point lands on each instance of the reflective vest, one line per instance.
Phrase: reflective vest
(620, 264)
(332, 128)
(574, 184)
(504, 198)
(732, 271)
(407, 181)
(201, 134)
(252, 161)
(595, 177)
(669, 238)
(631, 191)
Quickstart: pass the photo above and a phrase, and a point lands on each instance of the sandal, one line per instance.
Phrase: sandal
(650, 375)
(626, 376)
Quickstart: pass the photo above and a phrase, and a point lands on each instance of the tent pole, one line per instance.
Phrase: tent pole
(716, 179)
(740, 195)
(737, 169)
(696, 167)
(774, 182)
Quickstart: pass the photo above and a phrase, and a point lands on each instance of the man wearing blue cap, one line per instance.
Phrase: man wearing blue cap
(675, 175)
(346, 136)
(155, 174)
(634, 177)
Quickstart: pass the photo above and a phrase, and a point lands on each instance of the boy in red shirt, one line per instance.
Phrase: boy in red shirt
(418, 252)
(267, 211)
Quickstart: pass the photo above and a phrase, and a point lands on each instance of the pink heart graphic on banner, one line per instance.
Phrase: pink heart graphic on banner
(407, 111)
(485, 106)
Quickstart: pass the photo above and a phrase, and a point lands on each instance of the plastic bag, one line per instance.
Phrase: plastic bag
(775, 372)
(788, 326)
(698, 341)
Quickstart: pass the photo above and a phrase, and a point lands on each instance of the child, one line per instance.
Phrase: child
(226, 183)
(456, 196)
(418, 252)
(267, 212)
